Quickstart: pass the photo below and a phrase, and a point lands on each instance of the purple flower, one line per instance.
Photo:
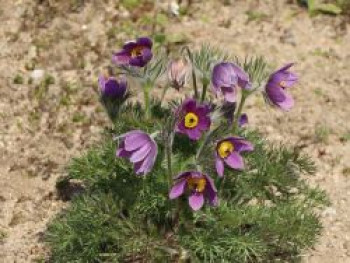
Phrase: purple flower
(228, 151)
(177, 73)
(276, 85)
(193, 119)
(111, 87)
(140, 149)
(200, 187)
(226, 78)
(135, 53)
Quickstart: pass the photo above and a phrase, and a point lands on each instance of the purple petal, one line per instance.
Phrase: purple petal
(196, 201)
(146, 54)
(194, 134)
(204, 123)
(129, 46)
(137, 61)
(140, 154)
(144, 41)
(219, 164)
(211, 192)
(243, 78)
(235, 161)
(275, 93)
(177, 189)
(135, 141)
(287, 104)
(121, 58)
(189, 105)
(229, 93)
(183, 175)
(241, 145)
(149, 161)
(223, 75)
(284, 68)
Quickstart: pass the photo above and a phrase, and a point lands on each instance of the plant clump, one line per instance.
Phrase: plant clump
(186, 180)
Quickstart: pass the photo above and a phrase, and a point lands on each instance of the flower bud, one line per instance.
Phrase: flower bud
(177, 73)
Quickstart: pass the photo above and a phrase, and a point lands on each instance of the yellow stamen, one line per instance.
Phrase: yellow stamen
(136, 51)
(197, 184)
(283, 84)
(225, 148)
(191, 120)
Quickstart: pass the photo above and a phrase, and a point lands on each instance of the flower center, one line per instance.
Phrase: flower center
(283, 84)
(191, 120)
(225, 148)
(196, 184)
(136, 51)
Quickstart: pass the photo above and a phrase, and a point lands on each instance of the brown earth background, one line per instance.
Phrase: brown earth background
(50, 56)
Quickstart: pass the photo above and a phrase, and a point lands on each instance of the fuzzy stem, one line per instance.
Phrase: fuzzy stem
(237, 115)
(146, 91)
(168, 156)
(194, 79)
(204, 91)
(206, 140)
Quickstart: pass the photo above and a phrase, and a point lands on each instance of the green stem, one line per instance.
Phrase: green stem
(195, 88)
(146, 91)
(163, 94)
(194, 79)
(204, 91)
(168, 156)
(237, 114)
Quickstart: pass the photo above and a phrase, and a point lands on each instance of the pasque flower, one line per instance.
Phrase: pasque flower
(177, 73)
(135, 53)
(193, 119)
(140, 148)
(199, 186)
(228, 151)
(275, 88)
(226, 77)
(112, 87)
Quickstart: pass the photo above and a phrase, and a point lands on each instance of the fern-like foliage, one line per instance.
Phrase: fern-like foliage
(266, 212)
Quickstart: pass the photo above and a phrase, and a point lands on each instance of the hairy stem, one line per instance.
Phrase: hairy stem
(237, 114)
(204, 91)
(169, 146)
(194, 79)
(146, 91)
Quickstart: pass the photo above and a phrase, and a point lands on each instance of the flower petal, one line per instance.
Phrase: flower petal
(287, 104)
(135, 141)
(219, 164)
(140, 154)
(196, 201)
(194, 134)
(235, 161)
(144, 41)
(178, 189)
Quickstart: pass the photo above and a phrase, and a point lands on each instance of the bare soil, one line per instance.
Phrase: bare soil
(44, 121)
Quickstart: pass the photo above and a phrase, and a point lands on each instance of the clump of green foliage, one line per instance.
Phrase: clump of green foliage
(266, 212)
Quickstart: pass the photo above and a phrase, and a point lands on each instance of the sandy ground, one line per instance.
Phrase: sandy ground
(46, 120)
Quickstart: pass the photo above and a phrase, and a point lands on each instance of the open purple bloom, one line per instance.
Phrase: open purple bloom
(135, 53)
(200, 186)
(111, 87)
(275, 88)
(140, 149)
(228, 151)
(226, 77)
(193, 119)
